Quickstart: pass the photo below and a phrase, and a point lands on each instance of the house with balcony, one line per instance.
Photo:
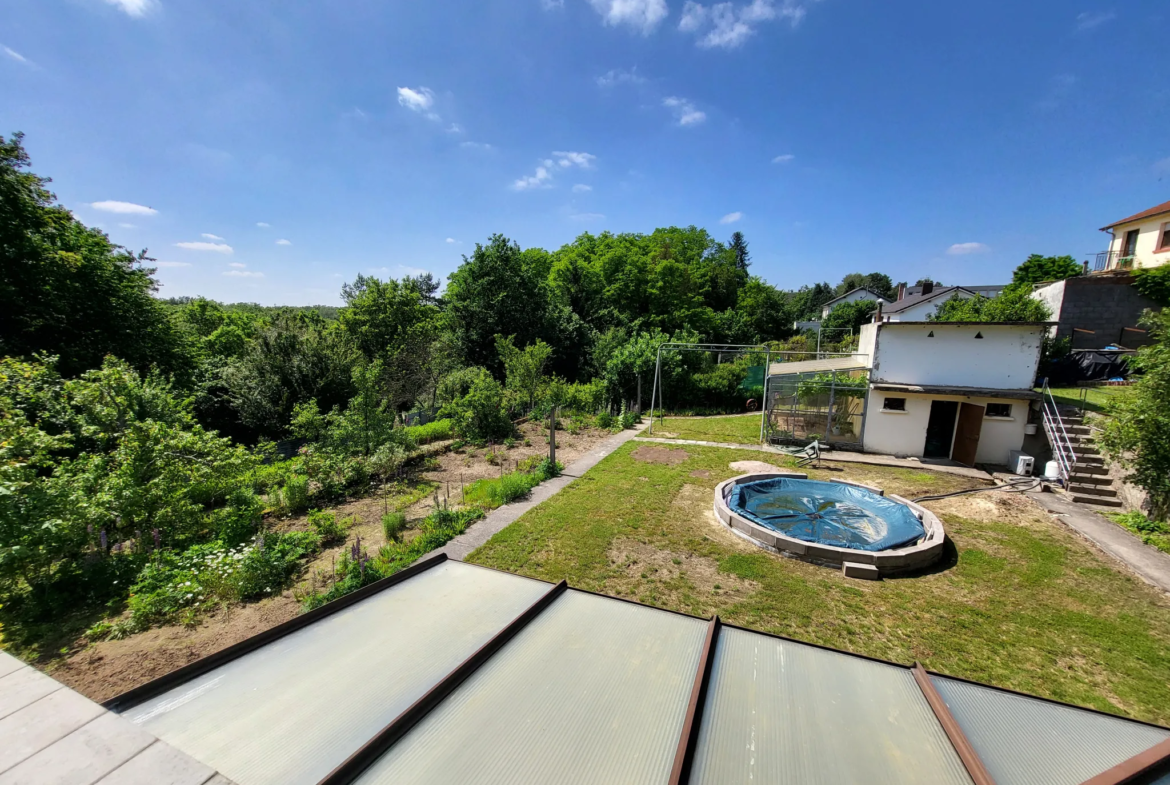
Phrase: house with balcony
(1141, 240)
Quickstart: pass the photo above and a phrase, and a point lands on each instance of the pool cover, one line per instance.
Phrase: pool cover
(828, 513)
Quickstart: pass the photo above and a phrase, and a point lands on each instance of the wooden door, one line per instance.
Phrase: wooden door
(967, 434)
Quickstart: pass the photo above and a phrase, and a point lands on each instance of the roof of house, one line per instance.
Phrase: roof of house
(950, 389)
(858, 289)
(916, 299)
(977, 289)
(451, 672)
(1164, 207)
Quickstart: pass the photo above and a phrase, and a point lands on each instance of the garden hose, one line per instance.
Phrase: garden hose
(1015, 486)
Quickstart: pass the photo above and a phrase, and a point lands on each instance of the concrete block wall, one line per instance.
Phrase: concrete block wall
(1105, 305)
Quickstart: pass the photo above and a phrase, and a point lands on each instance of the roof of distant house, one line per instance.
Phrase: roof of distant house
(1164, 207)
(915, 299)
(858, 289)
(984, 290)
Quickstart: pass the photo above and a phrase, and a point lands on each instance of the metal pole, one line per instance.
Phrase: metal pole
(552, 436)
(764, 403)
(819, 331)
(829, 419)
(654, 389)
(638, 408)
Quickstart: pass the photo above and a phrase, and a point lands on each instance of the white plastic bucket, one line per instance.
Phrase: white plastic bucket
(1051, 469)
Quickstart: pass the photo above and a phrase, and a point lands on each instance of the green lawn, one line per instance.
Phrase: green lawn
(730, 430)
(1097, 398)
(1017, 601)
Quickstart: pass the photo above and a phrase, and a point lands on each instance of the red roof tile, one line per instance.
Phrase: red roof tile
(1164, 207)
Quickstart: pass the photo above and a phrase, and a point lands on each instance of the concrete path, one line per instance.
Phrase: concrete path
(843, 457)
(1150, 564)
(482, 531)
(51, 735)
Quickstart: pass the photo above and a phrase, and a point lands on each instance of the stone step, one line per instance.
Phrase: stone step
(1098, 470)
(1077, 430)
(1091, 490)
(1088, 460)
(1096, 501)
(1090, 479)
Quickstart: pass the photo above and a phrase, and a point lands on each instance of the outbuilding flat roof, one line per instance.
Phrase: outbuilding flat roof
(581, 688)
(939, 389)
(856, 362)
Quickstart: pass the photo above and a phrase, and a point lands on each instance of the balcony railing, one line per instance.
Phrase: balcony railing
(1113, 260)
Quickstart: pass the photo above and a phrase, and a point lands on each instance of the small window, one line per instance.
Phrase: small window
(1163, 238)
(999, 410)
(894, 405)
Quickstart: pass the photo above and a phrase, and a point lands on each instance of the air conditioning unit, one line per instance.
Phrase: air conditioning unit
(1021, 463)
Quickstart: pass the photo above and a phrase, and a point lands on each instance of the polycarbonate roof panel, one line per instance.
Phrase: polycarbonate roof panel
(1028, 741)
(782, 712)
(593, 690)
(294, 709)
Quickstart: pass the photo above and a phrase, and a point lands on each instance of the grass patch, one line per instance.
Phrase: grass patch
(1097, 399)
(1155, 533)
(498, 491)
(730, 430)
(436, 431)
(1017, 601)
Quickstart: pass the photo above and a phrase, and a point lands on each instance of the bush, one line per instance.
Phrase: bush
(437, 431)
(326, 527)
(388, 460)
(1154, 282)
(237, 521)
(295, 495)
(393, 524)
(605, 421)
(479, 416)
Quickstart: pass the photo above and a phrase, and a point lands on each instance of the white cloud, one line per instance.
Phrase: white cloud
(17, 56)
(583, 160)
(784, 159)
(962, 249)
(452, 241)
(243, 274)
(213, 247)
(455, 128)
(207, 236)
(587, 217)
(728, 25)
(420, 100)
(643, 15)
(550, 5)
(684, 111)
(620, 76)
(172, 264)
(1088, 20)
(123, 208)
(283, 242)
(237, 265)
(540, 179)
(128, 226)
(730, 218)
(135, 8)
(581, 188)
(476, 146)
(263, 225)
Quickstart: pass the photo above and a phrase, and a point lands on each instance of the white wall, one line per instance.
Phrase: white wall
(1052, 295)
(867, 339)
(1149, 232)
(904, 433)
(1005, 358)
(853, 297)
(924, 310)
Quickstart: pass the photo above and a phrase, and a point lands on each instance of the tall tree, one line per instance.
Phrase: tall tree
(740, 247)
(65, 289)
(1037, 268)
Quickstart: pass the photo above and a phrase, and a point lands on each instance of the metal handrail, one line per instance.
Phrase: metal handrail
(1110, 260)
(1058, 437)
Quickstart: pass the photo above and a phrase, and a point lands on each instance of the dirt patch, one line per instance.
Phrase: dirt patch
(1014, 508)
(676, 579)
(647, 454)
(110, 668)
(753, 467)
(694, 502)
(702, 474)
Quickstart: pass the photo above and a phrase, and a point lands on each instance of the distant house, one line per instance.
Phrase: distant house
(956, 390)
(1141, 240)
(920, 307)
(985, 291)
(860, 293)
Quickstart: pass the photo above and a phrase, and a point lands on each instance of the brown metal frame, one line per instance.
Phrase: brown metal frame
(1155, 762)
(167, 681)
(353, 766)
(950, 726)
(684, 756)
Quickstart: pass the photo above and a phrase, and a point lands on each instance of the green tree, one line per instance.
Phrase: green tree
(494, 292)
(849, 316)
(1154, 282)
(1037, 269)
(1014, 304)
(808, 301)
(739, 247)
(66, 290)
(1137, 435)
(524, 367)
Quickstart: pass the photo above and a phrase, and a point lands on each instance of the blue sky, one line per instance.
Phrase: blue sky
(267, 150)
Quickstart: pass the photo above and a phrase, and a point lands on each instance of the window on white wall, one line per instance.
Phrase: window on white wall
(999, 410)
(894, 405)
(1163, 238)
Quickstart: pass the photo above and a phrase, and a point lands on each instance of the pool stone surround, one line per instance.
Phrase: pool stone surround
(889, 562)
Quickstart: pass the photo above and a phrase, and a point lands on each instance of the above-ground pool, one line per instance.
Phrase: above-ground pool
(843, 516)
(839, 523)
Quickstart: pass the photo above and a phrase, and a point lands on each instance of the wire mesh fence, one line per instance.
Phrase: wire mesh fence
(828, 407)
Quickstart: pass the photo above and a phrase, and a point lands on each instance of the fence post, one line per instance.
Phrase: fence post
(832, 394)
(552, 436)
(654, 389)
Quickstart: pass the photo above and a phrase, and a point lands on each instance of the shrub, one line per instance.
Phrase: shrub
(295, 495)
(326, 527)
(436, 431)
(1154, 282)
(479, 416)
(388, 460)
(393, 524)
(605, 421)
(237, 521)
